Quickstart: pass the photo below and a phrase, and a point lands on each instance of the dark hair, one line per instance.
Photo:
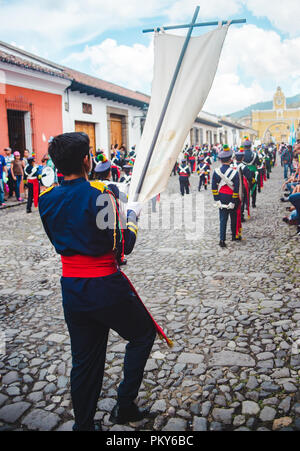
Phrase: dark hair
(68, 150)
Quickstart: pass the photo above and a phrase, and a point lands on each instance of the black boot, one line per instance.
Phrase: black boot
(130, 414)
(222, 244)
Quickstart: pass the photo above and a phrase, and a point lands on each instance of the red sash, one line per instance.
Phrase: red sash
(183, 174)
(226, 190)
(239, 221)
(85, 266)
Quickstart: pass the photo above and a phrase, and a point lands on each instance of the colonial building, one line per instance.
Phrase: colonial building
(40, 99)
(31, 101)
(277, 124)
(211, 129)
(108, 113)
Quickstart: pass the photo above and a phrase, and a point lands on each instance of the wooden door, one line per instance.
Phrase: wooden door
(116, 130)
(89, 129)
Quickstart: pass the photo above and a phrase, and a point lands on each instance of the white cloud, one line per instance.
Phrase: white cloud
(57, 24)
(253, 63)
(284, 15)
(129, 66)
(229, 94)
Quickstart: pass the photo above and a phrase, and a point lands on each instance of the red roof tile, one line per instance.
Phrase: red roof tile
(105, 85)
(25, 64)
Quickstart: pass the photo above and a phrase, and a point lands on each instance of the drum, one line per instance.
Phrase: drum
(48, 177)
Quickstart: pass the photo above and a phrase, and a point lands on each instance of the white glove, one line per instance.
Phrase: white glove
(136, 207)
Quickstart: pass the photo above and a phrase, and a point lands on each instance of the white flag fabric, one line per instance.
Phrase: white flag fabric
(189, 95)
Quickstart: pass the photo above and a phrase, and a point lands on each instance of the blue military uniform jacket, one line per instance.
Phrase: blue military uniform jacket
(71, 214)
(221, 193)
(74, 216)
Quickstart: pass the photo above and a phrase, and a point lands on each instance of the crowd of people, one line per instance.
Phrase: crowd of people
(19, 173)
(242, 175)
(235, 185)
(290, 161)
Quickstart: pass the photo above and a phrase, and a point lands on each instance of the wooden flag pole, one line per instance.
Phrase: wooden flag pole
(166, 104)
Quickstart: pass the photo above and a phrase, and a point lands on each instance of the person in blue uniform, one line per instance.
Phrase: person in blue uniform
(251, 159)
(225, 189)
(82, 221)
(202, 170)
(184, 173)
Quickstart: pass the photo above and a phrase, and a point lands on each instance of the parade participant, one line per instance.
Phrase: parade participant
(208, 162)
(247, 179)
(252, 161)
(3, 173)
(202, 170)
(269, 160)
(239, 166)
(17, 168)
(260, 169)
(81, 219)
(126, 177)
(225, 189)
(25, 163)
(115, 168)
(132, 154)
(32, 174)
(184, 174)
(192, 159)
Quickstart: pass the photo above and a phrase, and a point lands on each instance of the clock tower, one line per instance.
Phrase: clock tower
(279, 102)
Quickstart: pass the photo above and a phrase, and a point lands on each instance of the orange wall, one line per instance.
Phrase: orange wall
(47, 116)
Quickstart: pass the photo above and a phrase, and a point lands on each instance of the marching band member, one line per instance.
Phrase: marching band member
(184, 174)
(32, 173)
(202, 170)
(83, 223)
(225, 189)
(252, 161)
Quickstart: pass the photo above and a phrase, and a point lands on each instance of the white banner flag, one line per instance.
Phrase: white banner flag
(189, 95)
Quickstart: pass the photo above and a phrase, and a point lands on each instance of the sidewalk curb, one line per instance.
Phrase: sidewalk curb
(12, 206)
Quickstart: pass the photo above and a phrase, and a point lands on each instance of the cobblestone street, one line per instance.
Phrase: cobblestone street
(233, 314)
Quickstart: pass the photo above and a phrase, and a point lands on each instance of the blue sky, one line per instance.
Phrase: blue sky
(105, 39)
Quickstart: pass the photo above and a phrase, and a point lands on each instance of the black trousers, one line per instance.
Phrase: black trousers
(119, 309)
(10, 184)
(184, 185)
(202, 181)
(224, 215)
(30, 196)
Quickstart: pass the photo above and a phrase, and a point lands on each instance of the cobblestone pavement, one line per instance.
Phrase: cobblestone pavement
(234, 315)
